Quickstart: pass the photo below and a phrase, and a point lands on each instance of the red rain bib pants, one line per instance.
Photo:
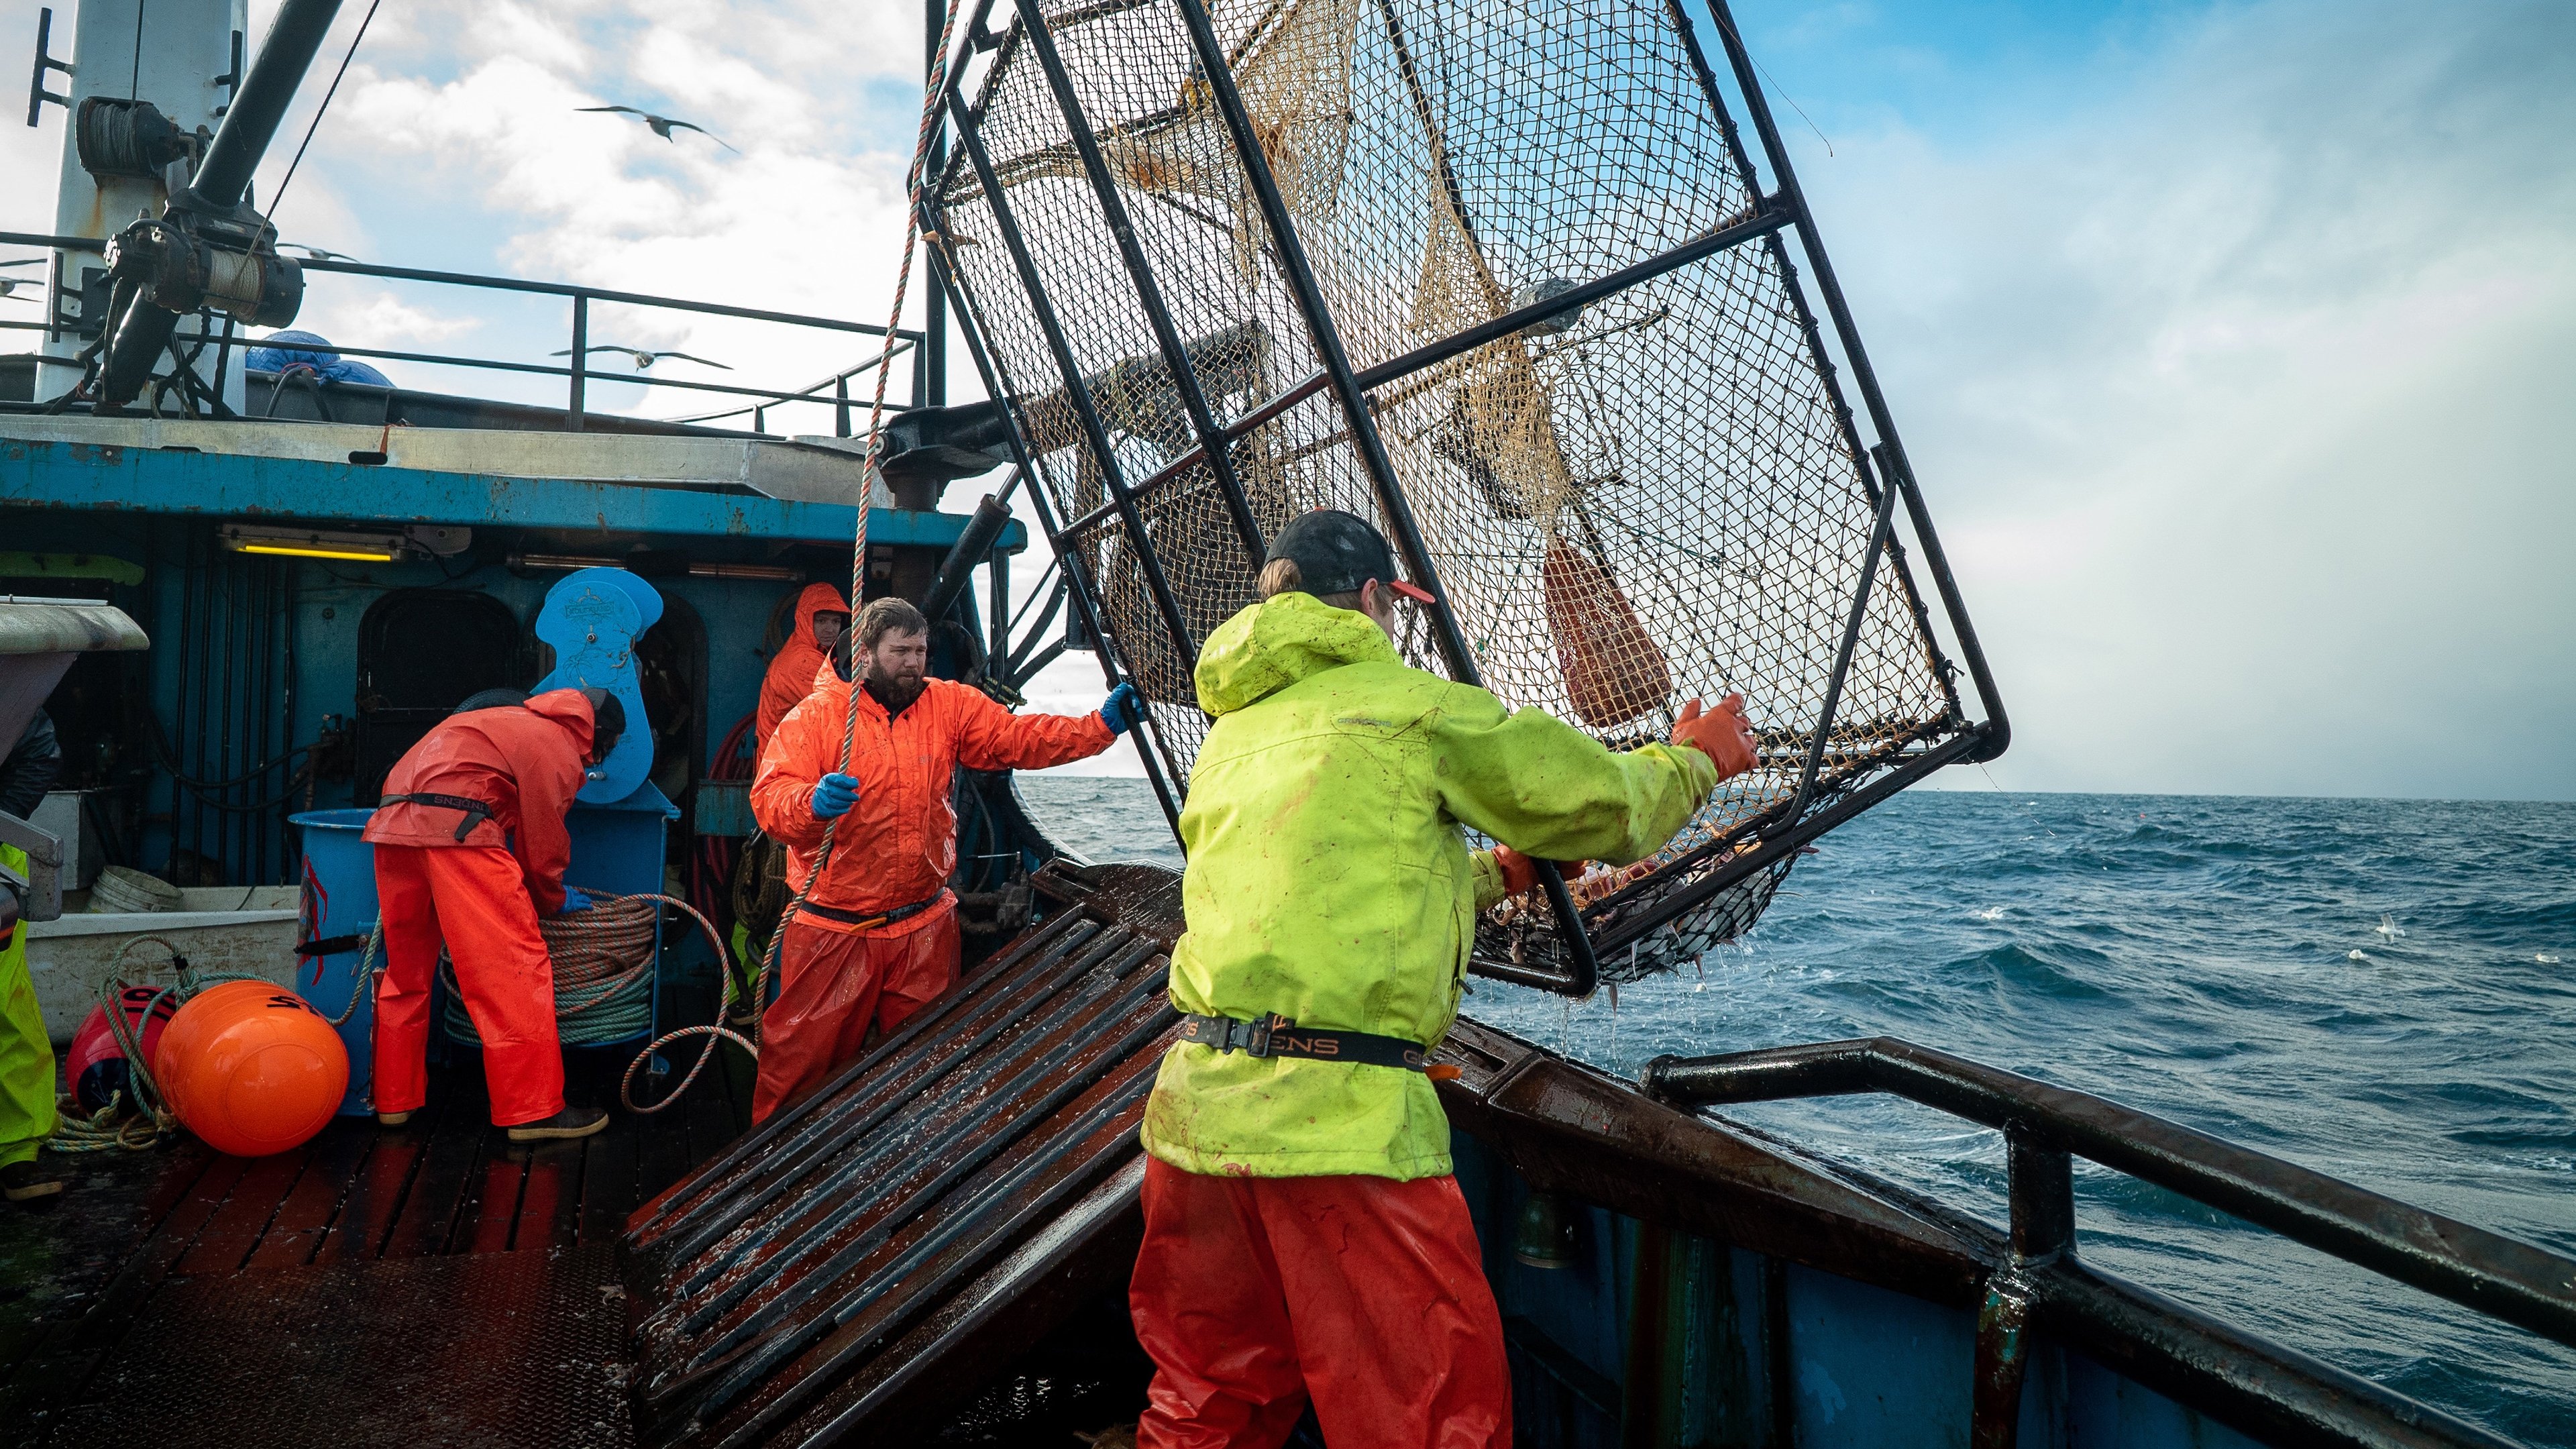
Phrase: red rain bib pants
(832, 983)
(1367, 1295)
(475, 898)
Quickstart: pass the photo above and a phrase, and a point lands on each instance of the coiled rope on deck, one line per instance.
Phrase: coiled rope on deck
(137, 1117)
(603, 973)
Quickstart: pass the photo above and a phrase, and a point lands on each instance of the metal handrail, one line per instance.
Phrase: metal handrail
(2494, 1274)
(578, 372)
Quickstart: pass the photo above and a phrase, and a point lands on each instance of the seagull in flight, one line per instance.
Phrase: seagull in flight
(643, 359)
(315, 254)
(661, 124)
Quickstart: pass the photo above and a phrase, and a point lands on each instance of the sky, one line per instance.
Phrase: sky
(2232, 343)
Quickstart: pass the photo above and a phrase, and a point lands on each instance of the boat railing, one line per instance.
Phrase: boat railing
(2045, 1127)
(832, 391)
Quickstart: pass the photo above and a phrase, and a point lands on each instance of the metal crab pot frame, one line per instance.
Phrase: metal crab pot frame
(1507, 280)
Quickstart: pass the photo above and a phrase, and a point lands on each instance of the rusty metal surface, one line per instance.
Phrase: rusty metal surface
(794, 1290)
(422, 1353)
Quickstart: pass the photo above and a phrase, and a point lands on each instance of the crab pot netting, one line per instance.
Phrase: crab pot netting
(1631, 504)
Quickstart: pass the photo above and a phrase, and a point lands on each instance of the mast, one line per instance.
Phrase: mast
(183, 57)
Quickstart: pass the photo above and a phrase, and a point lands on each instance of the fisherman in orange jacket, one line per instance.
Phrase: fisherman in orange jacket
(470, 849)
(821, 619)
(875, 940)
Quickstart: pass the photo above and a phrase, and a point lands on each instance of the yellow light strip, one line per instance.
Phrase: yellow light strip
(285, 551)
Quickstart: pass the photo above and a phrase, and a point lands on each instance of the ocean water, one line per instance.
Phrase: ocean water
(2220, 962)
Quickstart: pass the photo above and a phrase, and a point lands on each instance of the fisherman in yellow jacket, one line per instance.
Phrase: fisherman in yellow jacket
(1304, 1239)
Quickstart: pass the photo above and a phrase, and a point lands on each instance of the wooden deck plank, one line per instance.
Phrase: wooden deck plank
(447, 1175)
(242, 1219)
(377, 1189)
(339, 1161)
(490, 1212)
(61, 1260)
(550, 1204)
(608, 1180)
(67, 1359)
(661, 1150)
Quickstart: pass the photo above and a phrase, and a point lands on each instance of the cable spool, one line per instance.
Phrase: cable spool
(116, 137)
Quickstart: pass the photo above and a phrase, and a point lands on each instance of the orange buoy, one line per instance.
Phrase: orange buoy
(252, 1068)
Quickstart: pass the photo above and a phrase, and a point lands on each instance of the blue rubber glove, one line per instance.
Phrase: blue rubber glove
(1122, 709)
(574, 901)
(834, 795)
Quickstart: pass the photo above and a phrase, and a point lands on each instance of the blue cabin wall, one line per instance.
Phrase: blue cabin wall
(1650, 1337)
(254, 655)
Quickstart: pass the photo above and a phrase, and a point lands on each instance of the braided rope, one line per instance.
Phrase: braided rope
(915, 180)
(107, 1127)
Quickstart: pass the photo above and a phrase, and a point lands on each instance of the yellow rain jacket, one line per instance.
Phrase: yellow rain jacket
(1329, 880)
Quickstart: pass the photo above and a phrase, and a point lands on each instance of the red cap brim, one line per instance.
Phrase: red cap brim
(1415, 592)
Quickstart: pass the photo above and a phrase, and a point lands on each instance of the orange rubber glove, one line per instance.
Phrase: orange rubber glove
(1721, 734)
(1520, 873)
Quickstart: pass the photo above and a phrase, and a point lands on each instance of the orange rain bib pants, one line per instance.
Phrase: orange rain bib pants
(833, 983)
(475, 898)
(1364, 1294)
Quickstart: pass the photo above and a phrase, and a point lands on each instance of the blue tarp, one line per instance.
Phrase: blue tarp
(311, 353)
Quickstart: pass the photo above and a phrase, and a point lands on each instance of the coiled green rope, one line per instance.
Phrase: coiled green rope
(144, 1121)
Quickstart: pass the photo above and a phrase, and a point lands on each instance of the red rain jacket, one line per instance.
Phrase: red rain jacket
(791, 675)
(899, 843)
(523, 761)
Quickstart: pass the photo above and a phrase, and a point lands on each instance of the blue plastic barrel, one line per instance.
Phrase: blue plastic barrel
(340, 900)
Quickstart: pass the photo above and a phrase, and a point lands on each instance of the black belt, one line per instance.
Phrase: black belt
(869, 918)
(1276, 1036)
(476, 811)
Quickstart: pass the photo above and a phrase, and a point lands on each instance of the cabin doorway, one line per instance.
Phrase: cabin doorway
(421, 652)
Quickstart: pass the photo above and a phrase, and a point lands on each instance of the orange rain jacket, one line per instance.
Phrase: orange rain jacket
(898, 845)
(791, 675)
(525, 761)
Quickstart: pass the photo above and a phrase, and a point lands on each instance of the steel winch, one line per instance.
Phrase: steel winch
(188, 260)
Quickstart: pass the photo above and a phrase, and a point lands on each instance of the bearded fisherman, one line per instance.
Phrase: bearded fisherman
(470, 850)
(1304, 1239)
(875, 940)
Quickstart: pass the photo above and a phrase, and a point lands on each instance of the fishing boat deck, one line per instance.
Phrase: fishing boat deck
(189, 1235)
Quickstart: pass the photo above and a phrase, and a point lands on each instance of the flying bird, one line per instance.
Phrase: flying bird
(643, 359)
(2388, 928)
(316, 254)
(661, 124)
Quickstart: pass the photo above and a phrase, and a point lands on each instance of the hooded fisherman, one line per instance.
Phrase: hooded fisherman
(821, 618)
(470, 847)
(1304, 1238)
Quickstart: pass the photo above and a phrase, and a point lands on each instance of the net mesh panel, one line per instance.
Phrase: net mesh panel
(1632, 503)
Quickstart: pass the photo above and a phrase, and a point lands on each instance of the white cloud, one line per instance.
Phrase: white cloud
(2235, 398)
(385, 320)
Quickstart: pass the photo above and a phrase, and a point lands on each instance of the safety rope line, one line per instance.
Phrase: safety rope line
(915, 180)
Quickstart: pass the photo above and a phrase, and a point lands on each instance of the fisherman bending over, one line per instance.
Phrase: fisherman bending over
(470, 849)
(1303, 1236)
(875, 940)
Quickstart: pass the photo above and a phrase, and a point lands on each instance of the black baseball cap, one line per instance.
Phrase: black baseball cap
(1337, 552)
